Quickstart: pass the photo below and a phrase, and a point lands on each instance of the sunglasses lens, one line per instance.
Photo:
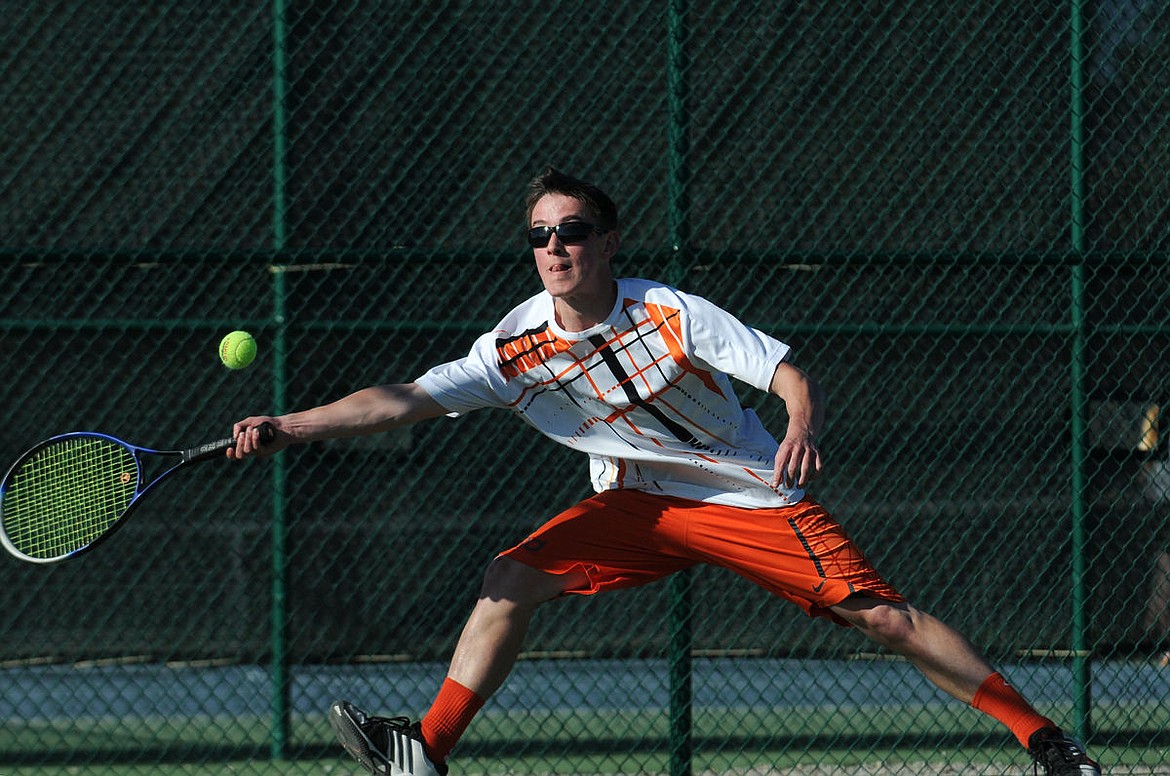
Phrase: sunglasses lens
(573, 232)
(538, 236)
(569, 233)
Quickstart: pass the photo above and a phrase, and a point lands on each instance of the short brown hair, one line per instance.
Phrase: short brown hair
(553, 181)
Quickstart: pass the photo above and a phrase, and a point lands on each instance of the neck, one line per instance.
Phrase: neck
(578, 314)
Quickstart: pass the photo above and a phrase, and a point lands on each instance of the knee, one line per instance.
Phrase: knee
(510, 582)
(894, 625)
(500, 579)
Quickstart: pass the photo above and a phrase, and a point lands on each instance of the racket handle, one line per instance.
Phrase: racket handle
(212, 449)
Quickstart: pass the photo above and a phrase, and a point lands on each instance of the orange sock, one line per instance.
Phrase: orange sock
(996, 698)
(454, 708)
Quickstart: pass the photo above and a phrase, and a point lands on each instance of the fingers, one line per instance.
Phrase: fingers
(797, 464)
(254, 436)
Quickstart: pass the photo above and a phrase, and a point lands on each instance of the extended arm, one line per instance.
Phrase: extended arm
(368, 411)
(798, 460)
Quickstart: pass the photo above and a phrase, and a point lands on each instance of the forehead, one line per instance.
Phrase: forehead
(555, 208)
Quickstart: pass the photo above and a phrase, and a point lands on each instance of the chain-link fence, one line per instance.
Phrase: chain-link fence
(954, 211)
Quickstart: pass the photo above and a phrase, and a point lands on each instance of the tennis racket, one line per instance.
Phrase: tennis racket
(70, 492)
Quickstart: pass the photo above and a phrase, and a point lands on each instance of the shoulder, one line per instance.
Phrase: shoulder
(534, 312)
(653, 291)
(658, 293)
(644, 286)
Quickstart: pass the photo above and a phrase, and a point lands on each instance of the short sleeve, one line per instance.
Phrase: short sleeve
(467, 383)
(728, 345)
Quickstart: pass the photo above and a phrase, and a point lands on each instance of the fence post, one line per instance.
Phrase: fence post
(1082, 684)
(278, 670)
(680, 673)
(280, 701)
(680, 584)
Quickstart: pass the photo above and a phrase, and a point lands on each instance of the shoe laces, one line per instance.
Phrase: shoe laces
(379, 726)
(378, 729)
(1058, 749)
(398, 723)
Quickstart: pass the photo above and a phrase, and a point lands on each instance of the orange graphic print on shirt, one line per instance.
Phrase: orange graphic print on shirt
(628, 372)
(647, 394)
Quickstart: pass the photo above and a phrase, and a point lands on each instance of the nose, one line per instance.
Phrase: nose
(554, 244)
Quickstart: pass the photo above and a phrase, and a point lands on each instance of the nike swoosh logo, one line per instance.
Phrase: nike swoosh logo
(817, 588)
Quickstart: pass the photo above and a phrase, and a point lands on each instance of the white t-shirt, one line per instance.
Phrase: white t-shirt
(645, 394)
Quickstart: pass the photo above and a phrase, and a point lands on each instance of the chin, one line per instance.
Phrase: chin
(558, 286)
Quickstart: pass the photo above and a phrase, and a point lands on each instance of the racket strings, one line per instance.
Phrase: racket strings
(67, 494)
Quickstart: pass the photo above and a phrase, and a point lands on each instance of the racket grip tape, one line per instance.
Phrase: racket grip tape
(203, 452)
(267, 433)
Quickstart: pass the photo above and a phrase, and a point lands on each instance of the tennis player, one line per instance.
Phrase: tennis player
(637, 375)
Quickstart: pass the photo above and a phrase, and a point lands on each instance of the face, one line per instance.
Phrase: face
(579, 275)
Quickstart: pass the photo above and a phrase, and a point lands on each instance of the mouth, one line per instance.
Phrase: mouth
(558, 268)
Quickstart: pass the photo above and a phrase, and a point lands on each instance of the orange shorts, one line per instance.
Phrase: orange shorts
(625, 538)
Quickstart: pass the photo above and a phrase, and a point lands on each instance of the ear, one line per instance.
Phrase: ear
(613, 241)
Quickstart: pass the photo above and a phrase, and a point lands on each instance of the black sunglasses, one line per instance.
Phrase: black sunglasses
(570, 233)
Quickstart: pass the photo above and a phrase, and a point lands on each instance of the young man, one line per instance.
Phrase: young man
(636, 374)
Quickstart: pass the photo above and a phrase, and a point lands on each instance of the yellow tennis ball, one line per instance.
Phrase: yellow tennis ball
(237, 349)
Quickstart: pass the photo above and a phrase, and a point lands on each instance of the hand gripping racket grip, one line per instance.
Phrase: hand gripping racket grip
(267, 434)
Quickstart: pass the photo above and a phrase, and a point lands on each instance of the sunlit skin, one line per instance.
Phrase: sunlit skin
(579, 277)
(580, 280)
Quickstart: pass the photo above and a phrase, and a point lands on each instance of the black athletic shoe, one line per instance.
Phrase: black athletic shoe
(385, 746)
(1060, 755)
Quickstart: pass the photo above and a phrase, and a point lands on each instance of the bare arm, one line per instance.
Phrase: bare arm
(368, 411)
(798, 461)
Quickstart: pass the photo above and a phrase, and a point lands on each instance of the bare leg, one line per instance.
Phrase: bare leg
(495, 631)
(940, 652)
(1158, 606)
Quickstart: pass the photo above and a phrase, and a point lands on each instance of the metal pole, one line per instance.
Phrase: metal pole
(1082, 681)
(278, 670)
(681, 732)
